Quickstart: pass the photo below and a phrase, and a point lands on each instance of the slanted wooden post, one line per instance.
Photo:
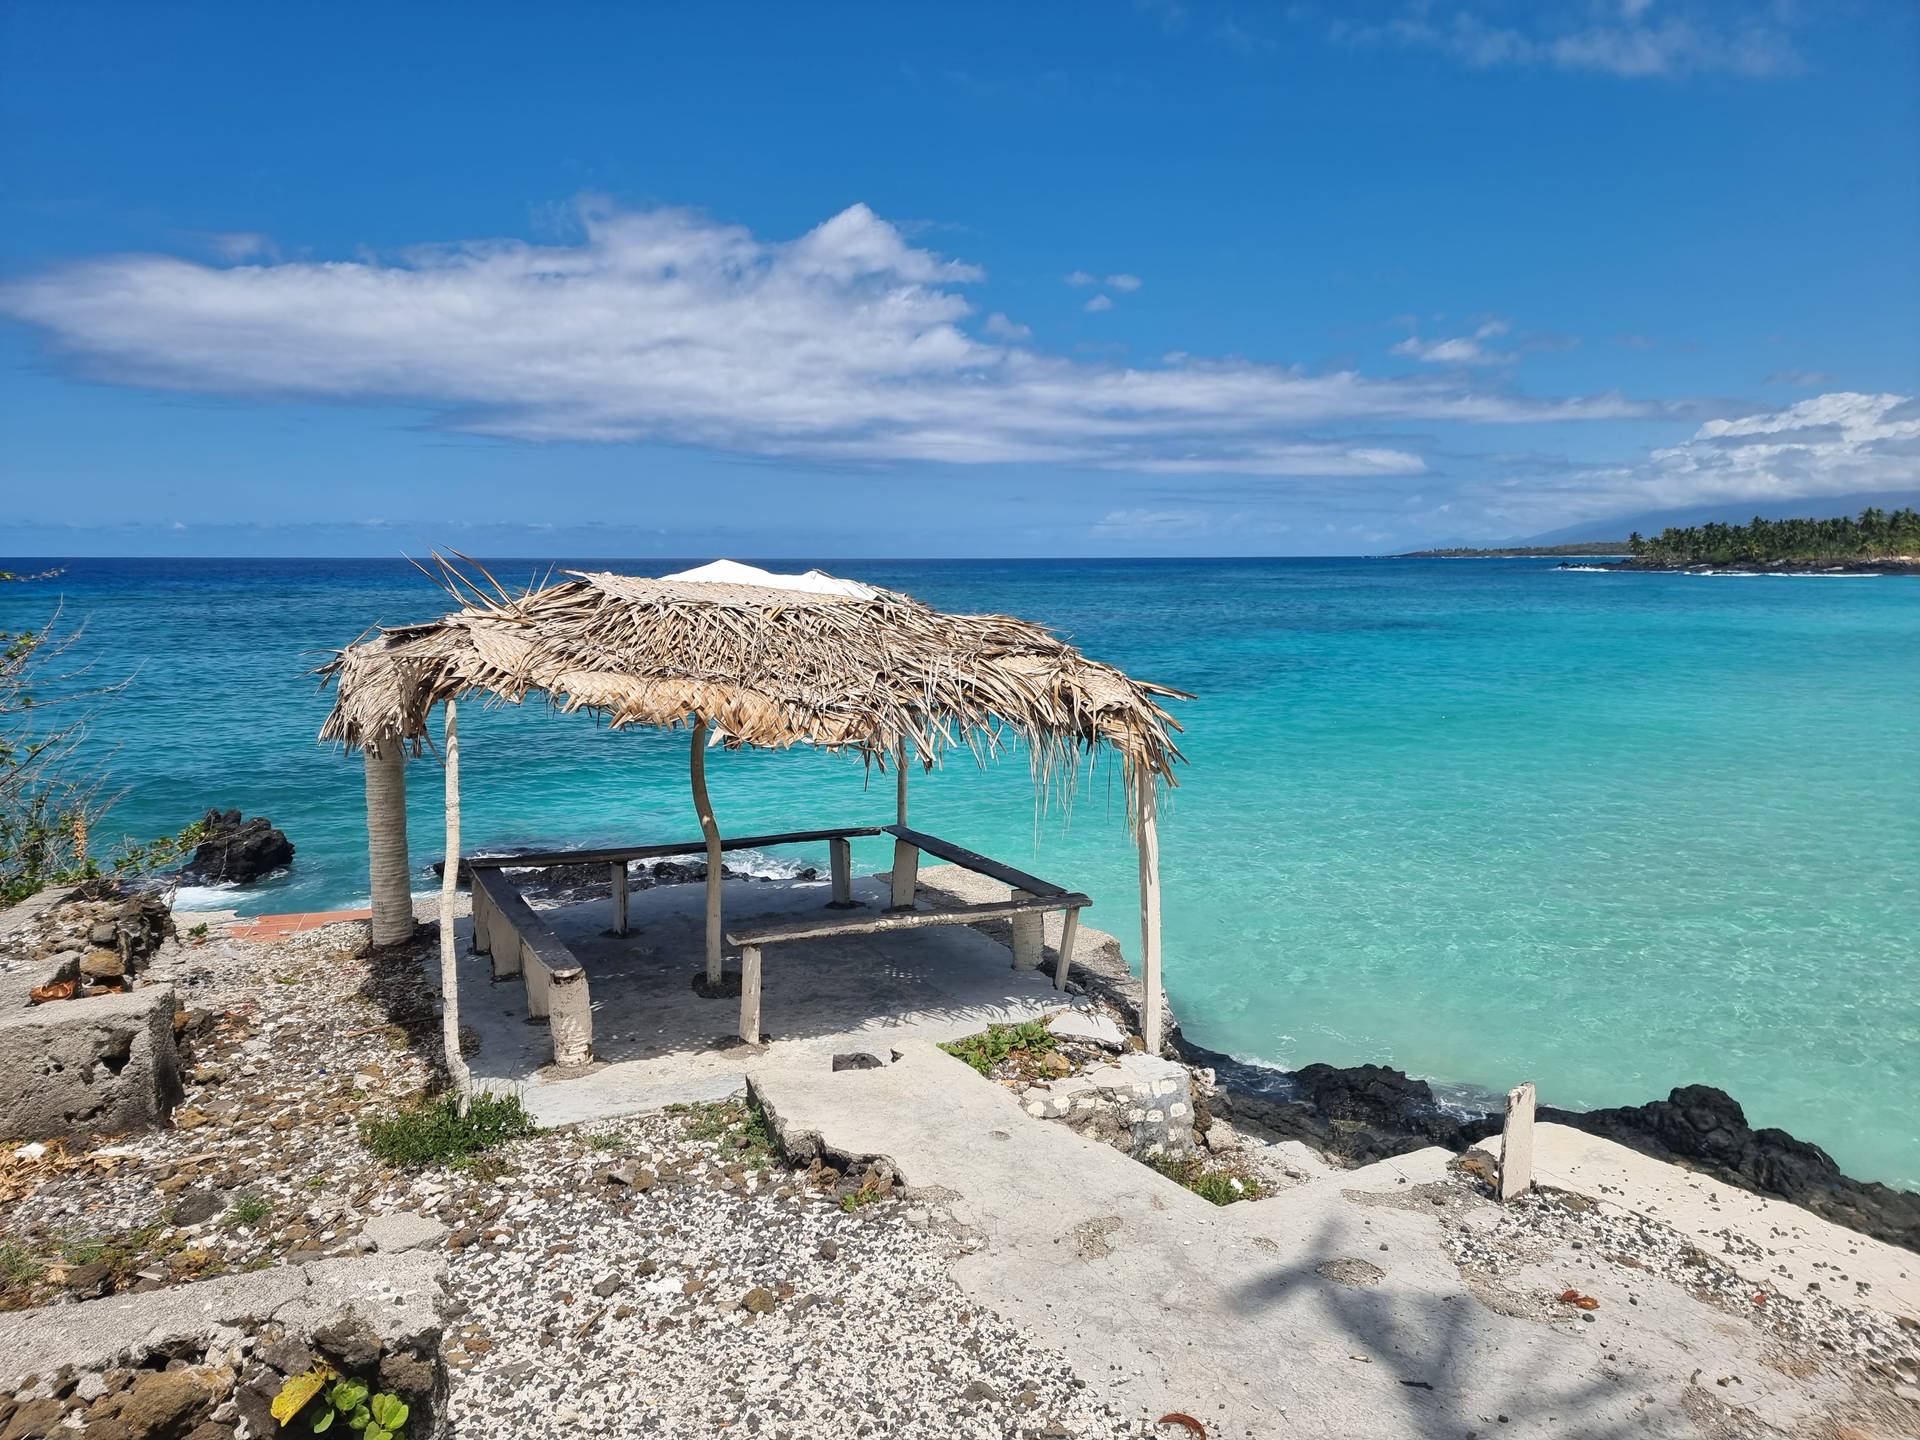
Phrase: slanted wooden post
(710, 829)
(906, 858)
(387, 842)
(1516, 1143)
(841, 851)
(619, 868)
(1029, 936)
(750, 994)
(1148, 838)
(449, 885)
(1069, 932)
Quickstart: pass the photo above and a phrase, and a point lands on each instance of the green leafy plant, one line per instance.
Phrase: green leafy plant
(349, 1403)
(997, 1042)
(607, 1140)
(436, 1133)
(198, 932)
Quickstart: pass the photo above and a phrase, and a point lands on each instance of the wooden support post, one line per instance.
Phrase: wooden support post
(750, 994)
(387, 842)
(841, 852)
(449, 885)
(1516, 1143)
(906, 858)
(1148, 839)
(1069, 932)
(1029, 936)
(711, 830)
(619, 868)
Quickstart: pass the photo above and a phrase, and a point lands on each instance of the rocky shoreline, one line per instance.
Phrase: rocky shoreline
(1894, 565)
(1363, 1113)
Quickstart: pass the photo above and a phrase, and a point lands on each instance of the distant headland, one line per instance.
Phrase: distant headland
(1875, 542)
(1603, 548)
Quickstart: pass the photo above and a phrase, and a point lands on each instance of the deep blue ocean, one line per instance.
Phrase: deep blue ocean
(1486, 821)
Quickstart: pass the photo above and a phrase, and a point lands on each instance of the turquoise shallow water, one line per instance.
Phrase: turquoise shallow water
(1483, 820)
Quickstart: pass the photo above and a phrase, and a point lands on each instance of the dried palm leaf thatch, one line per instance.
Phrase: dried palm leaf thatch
(764, 666)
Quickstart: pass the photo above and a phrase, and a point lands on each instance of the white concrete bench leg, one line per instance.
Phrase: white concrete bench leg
(1029, 936)
(537, 978)
(750, 994)
(570, 1017)
(841, 852)
(482, 940)
(619, 868)
(906, 874)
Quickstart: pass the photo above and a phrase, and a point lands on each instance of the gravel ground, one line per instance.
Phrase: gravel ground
(716, 1289)
(662, 1275)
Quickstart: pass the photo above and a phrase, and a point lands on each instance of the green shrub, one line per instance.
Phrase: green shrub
(436, 1133)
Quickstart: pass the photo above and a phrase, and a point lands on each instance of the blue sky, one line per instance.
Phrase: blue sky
(991, 280)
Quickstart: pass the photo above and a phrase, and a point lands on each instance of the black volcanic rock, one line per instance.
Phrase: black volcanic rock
(236, 850)
(1705, 1129)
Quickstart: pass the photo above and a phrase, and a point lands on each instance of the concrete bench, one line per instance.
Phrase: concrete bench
(511, 931)
(1032, 899)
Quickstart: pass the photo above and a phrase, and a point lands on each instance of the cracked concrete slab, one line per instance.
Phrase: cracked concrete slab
(1248, 1317)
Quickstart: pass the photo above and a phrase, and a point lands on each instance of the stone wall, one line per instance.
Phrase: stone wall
(1138, 1103)
(205, 1361)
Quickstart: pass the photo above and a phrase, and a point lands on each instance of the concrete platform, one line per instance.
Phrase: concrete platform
(656, 1041)
(1333, 1309)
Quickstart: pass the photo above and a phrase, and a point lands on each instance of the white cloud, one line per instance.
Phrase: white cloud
(1001, 328)
(1837, 444)
(845, 344)
(1128, 283)
(1097, 304)
(1081, 277)
(1459, 349)
(1632, 39)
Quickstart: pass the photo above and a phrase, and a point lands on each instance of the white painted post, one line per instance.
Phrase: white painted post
(1516, 1143)
(619, 868)
(1149, 844)
(906, 858)
(750, 994)
(387, 842)
(1069, 932)
(449, 884)
(710, 828)
(841, 852)
(1029, 936)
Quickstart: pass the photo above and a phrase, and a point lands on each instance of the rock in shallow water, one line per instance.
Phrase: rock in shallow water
(237, 851)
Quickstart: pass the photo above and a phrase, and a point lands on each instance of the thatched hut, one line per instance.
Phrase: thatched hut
(746, 658)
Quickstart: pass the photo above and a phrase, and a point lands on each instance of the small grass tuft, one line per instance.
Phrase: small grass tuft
(607, 1140)
(1217, 1186)
(740, 1126)
(250, 1209)
(435, 1133)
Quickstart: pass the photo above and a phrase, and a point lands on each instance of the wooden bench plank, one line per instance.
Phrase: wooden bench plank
(541, 859)
(971, 860)
(903, 920)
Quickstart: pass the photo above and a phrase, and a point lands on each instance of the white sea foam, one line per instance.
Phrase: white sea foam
(1589, 569)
